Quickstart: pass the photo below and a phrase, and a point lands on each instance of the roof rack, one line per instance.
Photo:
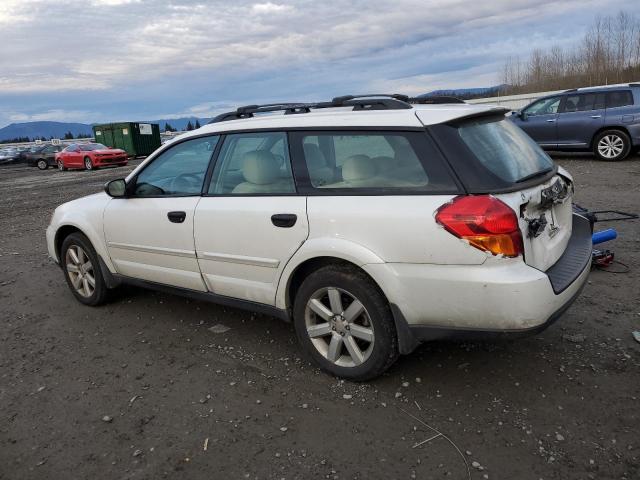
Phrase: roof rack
(371, 101)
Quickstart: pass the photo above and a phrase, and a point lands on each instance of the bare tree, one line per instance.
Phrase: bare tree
(609, 53)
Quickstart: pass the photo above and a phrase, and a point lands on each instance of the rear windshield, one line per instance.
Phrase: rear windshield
(505, 150)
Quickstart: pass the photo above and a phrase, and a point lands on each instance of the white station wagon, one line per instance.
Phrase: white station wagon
(373, 223)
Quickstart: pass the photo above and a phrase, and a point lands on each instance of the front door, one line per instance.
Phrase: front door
(149, 234)
(539, 121)
(251, 221)
(580, 117)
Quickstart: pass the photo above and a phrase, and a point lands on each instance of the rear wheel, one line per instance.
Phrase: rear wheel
(42, 164)
(612, 145)
(344, 323)
(82, 270)
(88, 165)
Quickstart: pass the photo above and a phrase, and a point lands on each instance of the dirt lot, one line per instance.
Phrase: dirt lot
(179, 401)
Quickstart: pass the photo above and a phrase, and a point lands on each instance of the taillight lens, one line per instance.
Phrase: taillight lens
(485, 222)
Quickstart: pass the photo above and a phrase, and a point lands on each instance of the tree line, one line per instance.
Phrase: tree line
(608, 53)
(190, 126)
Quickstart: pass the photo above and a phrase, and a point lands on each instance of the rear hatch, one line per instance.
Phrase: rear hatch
(492, 156)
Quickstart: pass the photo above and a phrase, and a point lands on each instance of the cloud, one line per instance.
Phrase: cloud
(128, 58)
(269, 7)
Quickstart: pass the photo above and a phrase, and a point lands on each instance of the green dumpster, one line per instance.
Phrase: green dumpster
(137, 139)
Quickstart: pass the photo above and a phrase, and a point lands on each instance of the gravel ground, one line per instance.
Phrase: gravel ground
(141, 388)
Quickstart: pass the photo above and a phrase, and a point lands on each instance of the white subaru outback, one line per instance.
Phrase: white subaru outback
(372, 222)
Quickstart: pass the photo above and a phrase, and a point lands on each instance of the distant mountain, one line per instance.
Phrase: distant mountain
(43, 129)
(467, 93)
(48, 130)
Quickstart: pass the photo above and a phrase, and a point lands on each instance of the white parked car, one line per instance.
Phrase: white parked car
(373, 223)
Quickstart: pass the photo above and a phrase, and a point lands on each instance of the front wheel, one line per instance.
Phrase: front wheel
(88, 165)
(82, 270)
(42, 164)
(344, 323)
(61, 166)
(612, 145)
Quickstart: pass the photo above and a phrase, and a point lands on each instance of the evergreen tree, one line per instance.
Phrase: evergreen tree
(168, 128)
(197, 124)
(189, 126)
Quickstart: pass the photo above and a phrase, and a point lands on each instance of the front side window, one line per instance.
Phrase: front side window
(178, 171)
(253, 164)
(373, 160)
(504, 149)
(545, 106)
(619, 98)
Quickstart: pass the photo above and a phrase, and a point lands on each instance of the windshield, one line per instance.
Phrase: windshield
(93, 146)
(505, 149)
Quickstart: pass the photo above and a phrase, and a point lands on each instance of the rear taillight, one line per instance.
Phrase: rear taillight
(485, 222)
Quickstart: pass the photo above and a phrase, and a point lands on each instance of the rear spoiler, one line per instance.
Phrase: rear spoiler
(493, 112)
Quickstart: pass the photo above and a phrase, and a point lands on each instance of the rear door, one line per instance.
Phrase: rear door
(251, 221)
(497, 158)
(620, 109)
(581, 116)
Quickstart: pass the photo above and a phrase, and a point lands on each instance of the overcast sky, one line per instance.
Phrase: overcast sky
(108, 60)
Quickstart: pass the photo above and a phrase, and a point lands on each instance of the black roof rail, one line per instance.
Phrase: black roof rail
(571, 90)
(358, 102)
(435, 100)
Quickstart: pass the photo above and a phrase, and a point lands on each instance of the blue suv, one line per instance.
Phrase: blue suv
(605, 120)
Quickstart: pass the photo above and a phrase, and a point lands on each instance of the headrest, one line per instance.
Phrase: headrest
(358, 167)
(314, 156)
(260, 167)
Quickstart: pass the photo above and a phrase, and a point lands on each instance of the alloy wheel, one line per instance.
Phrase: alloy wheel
(339, 327)
(42, 164)
(87, 163)
(80, 270)
(610, 146)
(60, 165)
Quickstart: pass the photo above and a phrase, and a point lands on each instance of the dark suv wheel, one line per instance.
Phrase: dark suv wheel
(344, 323)
(612, 145)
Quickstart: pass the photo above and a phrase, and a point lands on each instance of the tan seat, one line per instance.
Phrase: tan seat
(262, 174)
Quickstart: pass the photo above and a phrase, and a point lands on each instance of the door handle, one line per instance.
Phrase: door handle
(176, 217)
(596, 116)
(284, 220)
(551, 120)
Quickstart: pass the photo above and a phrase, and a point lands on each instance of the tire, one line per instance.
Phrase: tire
(61, 166)
(332, 347)
(42, 164)
(78, 275)
(611, 145)
(88, 165)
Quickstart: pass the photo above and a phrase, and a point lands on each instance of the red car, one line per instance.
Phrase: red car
(90, 156)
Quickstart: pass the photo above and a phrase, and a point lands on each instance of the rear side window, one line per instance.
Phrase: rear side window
(504, 149)
(584, 102)
(372, 162)
(619, 98)
(253, 164)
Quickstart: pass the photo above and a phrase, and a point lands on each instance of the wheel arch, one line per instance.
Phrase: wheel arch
(67, 228)
(623, 129)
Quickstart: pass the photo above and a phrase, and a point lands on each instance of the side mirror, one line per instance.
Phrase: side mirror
(116, 188)
(523, 116)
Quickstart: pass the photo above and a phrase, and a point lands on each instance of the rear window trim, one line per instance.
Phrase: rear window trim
(305, 187)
